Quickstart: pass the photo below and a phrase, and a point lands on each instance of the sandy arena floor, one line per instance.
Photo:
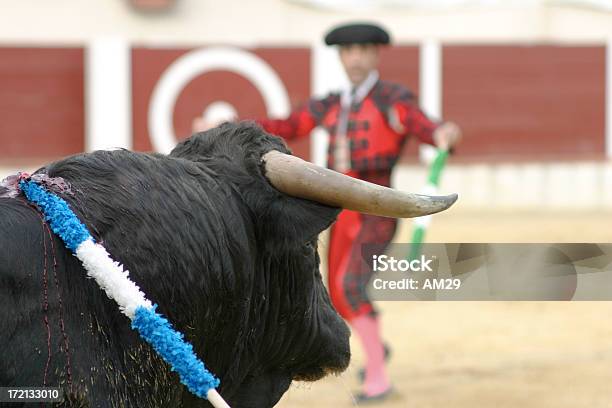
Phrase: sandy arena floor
(490, 354)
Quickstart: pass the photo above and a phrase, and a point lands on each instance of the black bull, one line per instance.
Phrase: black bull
(230, 260)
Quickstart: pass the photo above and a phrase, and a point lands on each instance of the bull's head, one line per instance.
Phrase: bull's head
(293, 331)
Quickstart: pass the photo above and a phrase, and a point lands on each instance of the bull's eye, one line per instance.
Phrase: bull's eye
(309, 249)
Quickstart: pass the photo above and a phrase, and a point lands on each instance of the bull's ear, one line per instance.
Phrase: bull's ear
(289, 219)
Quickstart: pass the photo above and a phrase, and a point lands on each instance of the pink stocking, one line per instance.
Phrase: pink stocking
(368, 330)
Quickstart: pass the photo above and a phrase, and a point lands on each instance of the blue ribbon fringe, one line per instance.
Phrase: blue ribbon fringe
(62, 220)
(169, 344)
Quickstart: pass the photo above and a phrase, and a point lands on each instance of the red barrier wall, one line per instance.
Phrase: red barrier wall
(526, 102)
(514, 102)
(291, 64)
(41, 103)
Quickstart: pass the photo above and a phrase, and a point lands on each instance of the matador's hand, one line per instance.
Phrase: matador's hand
(447, 135)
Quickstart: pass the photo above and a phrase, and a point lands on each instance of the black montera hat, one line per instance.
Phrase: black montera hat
(360, 33)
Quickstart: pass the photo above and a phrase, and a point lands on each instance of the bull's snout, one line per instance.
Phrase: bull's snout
(334, 355)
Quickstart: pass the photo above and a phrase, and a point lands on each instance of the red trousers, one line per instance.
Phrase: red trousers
(354, 239)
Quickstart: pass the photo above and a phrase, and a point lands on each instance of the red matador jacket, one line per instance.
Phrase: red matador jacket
(377, 128)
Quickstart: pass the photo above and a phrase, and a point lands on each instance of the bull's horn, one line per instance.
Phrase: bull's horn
(299, 178)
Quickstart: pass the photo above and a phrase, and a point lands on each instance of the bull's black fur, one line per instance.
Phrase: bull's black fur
(230, 261)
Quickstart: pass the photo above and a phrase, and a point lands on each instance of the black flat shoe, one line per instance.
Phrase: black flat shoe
(361, 372)
(364, 399)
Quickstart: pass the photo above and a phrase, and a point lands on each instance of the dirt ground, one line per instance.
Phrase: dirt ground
(490, 354)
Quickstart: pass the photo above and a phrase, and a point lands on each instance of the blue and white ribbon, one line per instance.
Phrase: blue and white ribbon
(115, 281)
